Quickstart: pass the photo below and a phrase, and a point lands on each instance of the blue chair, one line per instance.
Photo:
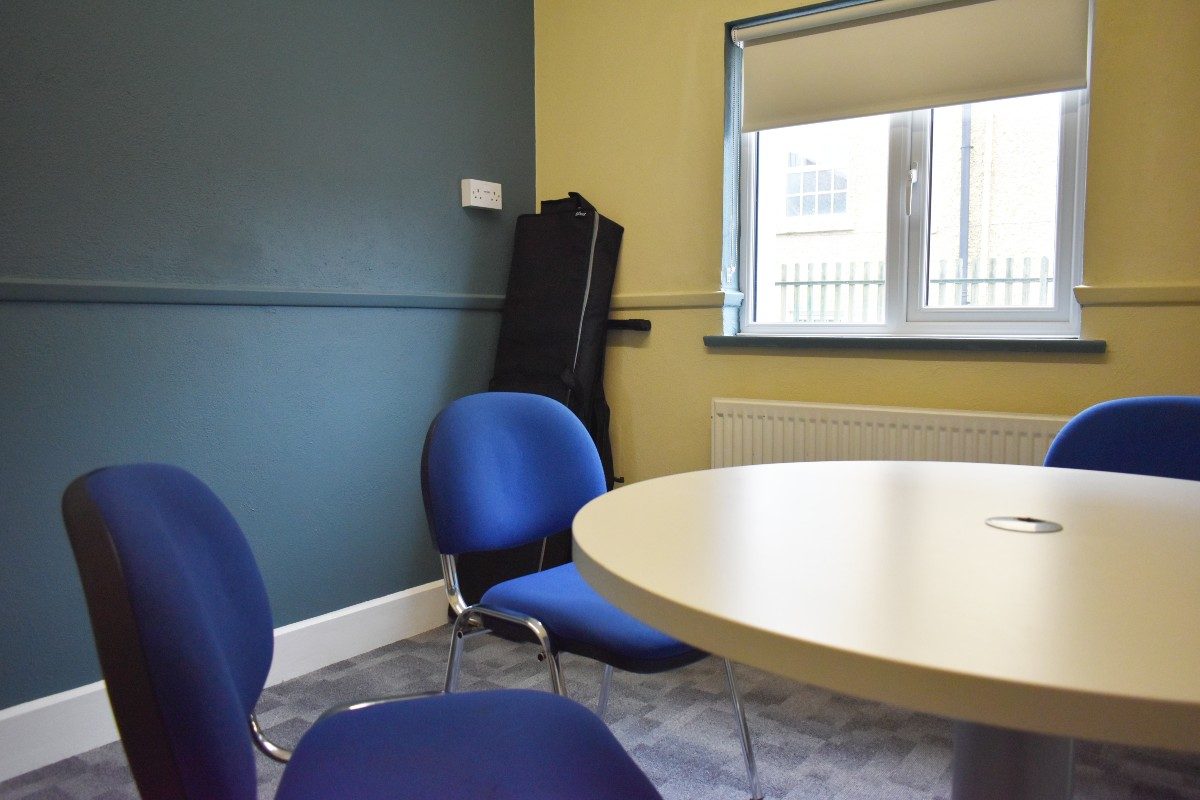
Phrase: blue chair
(503, 469)
(184, 634)
(1141, 435)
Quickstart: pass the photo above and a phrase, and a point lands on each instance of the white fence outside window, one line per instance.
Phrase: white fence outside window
(853, 292)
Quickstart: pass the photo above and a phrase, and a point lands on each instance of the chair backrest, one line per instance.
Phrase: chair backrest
(1141, 435)
(181, 622)
(501, 469)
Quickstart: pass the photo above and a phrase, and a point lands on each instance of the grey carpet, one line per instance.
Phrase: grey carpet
(810, 743)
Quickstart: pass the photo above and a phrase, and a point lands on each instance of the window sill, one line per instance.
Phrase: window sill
(965, 343)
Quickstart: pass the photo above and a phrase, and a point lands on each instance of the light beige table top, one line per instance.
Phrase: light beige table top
(882, 580)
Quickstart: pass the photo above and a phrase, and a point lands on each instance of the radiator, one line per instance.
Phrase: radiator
(764, 432)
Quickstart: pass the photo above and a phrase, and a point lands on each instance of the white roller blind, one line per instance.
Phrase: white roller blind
(898, 55)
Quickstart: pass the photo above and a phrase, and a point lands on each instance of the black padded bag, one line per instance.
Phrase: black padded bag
(552, 339)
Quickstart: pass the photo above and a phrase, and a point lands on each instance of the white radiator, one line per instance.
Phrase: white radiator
(764, 432)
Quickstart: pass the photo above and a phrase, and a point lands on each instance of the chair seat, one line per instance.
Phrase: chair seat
(580, 621)
(500, 745)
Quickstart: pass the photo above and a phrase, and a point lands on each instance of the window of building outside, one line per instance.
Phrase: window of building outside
(816, 189)
(960, 220)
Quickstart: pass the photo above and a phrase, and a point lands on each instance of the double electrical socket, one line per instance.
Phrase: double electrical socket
(480, 194)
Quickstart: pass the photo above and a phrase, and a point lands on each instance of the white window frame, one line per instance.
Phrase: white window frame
(907, 248)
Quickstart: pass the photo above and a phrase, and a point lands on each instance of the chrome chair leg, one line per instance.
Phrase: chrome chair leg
(605, 684)
(459, 633)
(744, 730)
(481, 613)
(456, 649)
(558, 684)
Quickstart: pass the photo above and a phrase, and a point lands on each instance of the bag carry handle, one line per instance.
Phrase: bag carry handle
(629, 325)
(574, 202)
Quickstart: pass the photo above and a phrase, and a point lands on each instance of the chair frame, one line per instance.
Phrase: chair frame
(470, 620)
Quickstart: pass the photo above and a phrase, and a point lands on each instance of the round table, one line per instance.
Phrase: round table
(885, 581)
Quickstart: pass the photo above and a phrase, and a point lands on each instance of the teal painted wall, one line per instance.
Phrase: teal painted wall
(308, 145)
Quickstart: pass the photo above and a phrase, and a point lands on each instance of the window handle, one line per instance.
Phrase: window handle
(908, 189)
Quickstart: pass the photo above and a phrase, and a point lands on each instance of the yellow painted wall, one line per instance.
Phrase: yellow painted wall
(629, 112)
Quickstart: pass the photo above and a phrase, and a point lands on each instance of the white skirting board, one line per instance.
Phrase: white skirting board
(62, 725)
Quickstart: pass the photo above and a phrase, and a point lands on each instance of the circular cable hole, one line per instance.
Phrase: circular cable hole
(1024, 524)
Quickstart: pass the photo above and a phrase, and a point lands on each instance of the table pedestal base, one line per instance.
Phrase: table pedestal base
(1000, 764)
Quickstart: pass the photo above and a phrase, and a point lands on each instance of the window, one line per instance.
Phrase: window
(960, 219)
(814, 189)
(812, 180)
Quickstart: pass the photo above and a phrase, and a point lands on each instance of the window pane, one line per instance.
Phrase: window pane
(993, 204)
(825, 264)
(793, 183)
